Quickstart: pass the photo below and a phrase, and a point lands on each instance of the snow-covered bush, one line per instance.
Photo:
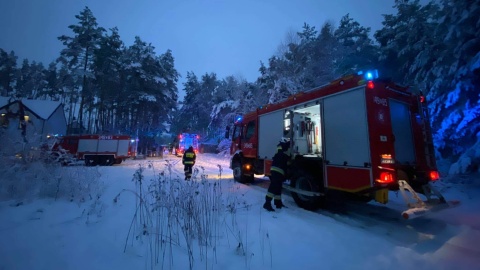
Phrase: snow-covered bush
(224, 147)
(469, 162)
(27, 171)
(195, 215)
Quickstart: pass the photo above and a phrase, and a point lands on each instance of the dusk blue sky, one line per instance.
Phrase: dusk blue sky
(228, 37)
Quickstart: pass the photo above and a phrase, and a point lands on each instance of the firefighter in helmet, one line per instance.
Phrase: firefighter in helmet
(188, 160)
(278, 174)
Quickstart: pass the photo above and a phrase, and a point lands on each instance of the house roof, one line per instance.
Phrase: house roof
(4, 101)
(42, 108)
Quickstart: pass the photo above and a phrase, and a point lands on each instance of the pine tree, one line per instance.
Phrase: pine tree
(8, 69)
(52, 89)
(108, 78)
(151, 87)
(79, 55)
(69, 94)
(404, 38)
(454, 95)
(356, 51)
(321, 69)
(31, 81)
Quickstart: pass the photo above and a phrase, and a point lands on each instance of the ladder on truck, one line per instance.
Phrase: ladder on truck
(426, 132)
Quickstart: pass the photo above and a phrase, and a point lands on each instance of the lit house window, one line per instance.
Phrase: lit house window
(3, 120)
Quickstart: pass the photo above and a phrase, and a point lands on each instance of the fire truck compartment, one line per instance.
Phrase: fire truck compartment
(346, 129)
(307, 139)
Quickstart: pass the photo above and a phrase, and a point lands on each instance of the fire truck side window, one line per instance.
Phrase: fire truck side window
(237, 132)
(250, 130)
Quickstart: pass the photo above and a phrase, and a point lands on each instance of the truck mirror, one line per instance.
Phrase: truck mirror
(227, 132)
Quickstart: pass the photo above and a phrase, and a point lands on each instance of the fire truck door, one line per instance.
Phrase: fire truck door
(346, 141)
(346, 129)
(270, 131)
(402, 129)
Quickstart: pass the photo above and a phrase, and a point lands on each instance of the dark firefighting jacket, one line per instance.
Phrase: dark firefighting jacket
(189, 157)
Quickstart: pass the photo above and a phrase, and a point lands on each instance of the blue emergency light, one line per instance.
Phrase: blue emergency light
(369, 74)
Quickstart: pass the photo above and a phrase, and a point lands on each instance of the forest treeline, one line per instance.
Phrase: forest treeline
(109, 86)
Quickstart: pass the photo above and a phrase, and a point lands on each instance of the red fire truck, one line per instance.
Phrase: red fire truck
(96, 149)
(358, 136)
(186, 140)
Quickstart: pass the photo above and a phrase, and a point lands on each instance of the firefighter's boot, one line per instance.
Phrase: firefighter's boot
(279, 204)
(268, 204)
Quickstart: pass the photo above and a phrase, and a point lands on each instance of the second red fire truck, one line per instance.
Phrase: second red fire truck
(95, 149)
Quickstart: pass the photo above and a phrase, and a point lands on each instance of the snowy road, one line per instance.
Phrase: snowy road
(58, 235)
(428, 234)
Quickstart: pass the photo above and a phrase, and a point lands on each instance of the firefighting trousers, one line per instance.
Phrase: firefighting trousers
(188, 171)
(275, 188)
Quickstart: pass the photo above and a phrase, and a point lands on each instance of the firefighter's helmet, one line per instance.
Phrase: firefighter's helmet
(284, 143)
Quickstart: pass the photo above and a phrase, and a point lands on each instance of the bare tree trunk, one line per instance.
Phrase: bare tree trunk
(90, 120)
(84, 87)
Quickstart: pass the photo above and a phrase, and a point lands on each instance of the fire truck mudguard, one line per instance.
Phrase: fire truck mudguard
(242, 170)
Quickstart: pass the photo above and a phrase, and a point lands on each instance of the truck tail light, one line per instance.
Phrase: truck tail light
(385, 178)
(434, 175)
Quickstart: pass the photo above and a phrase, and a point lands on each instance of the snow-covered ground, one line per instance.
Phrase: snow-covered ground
(49, 234)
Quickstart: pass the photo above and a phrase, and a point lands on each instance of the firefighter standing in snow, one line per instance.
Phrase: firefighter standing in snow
(278, 173)
(188, 160)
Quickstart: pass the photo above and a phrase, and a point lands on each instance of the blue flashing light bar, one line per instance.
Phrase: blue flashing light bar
(369, 74)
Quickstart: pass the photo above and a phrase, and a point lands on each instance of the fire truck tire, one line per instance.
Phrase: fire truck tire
(90, 161)
(107, 160)
(118, 161)
(306, 182)
(238, 175)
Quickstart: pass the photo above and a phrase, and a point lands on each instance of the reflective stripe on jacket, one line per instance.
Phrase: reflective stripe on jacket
(189, 157)
(277, 169)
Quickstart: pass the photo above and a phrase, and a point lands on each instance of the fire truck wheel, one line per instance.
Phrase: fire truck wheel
(306, 182)
(238, 175)
(108, 161)
(90, 161)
